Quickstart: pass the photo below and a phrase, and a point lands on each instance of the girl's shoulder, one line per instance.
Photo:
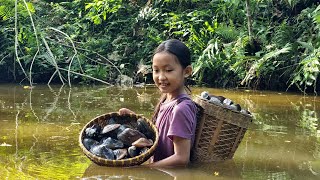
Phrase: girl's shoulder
(185, 103)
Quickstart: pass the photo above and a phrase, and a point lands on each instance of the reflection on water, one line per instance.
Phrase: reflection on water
(39, 131)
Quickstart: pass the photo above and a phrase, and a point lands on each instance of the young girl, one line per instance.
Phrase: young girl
(175, 114)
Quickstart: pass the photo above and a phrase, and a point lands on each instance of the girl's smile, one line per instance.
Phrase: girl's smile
(168, 74)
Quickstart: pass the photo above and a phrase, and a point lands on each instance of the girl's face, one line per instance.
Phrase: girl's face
(168, 74)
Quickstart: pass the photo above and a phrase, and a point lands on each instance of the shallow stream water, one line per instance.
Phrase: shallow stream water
(39, 131)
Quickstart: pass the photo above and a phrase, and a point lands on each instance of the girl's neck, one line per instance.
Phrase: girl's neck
(170, 97)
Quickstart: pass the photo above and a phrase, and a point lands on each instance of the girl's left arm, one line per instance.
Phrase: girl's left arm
(181, 154)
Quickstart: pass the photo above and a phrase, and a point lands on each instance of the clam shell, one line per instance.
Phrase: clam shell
(128, 136)
(144, 128)
(221, 98)
(102, 151)
(89, 143)
(205, 95)
(246, 112)
(231, 107)
(215, 101)
(238, 107)
(122, 128)
(227, 101)
(142, 142)
(112, 143)
(120, 153)
(93, 131)
(109, 128)
(133, 151)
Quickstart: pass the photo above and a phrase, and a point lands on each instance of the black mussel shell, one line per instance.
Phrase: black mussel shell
(215, 100)
(231, 107)
(93, 131)
(205, 95)
(238, 107)
(102, 151)
(89, 143)
(133, 151)
(120, 153)
(122, 128)
(112, 143)
(227, 102)
(144, 127)
(221, 98)
(128, 136)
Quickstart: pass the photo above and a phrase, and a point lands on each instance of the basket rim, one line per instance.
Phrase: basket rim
(237, 112)
(133, 160)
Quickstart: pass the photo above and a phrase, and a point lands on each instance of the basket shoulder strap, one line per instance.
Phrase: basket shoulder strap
(199, 109)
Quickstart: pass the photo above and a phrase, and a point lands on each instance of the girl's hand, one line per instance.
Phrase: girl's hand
(124, 111)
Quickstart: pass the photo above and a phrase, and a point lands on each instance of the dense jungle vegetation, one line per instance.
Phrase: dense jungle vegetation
(264, 44)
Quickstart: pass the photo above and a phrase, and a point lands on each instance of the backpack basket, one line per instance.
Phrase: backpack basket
(219, 132)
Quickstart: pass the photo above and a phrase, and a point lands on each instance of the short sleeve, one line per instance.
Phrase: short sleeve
(183, 121)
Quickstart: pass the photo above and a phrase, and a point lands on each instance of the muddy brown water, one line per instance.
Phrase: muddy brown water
(39, 131)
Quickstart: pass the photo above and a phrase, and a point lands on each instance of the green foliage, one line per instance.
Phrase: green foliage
(106, 38)
(99, 10)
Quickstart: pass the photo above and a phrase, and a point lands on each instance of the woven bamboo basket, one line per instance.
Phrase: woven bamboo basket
(130, 119)
(219, 132)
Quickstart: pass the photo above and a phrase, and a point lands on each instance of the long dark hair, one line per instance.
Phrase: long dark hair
(182, 52)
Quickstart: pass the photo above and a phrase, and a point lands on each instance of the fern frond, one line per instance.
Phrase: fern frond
(227, 33)
(5, 12)
(256, 67)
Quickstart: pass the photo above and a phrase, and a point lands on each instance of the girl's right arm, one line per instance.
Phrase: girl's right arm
(124, 111)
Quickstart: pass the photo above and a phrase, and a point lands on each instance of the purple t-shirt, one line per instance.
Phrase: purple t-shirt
(175, 119)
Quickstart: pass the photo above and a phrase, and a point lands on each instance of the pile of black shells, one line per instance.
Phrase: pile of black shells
(223, 102)
(117, 141)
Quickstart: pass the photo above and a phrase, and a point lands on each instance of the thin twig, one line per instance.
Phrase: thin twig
(85, 76)
(4, 57)
(92, 52)
(75, 52)
(52, 77)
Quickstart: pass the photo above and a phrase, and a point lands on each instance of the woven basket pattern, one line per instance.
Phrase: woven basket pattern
(219, 132)
(129, 119)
